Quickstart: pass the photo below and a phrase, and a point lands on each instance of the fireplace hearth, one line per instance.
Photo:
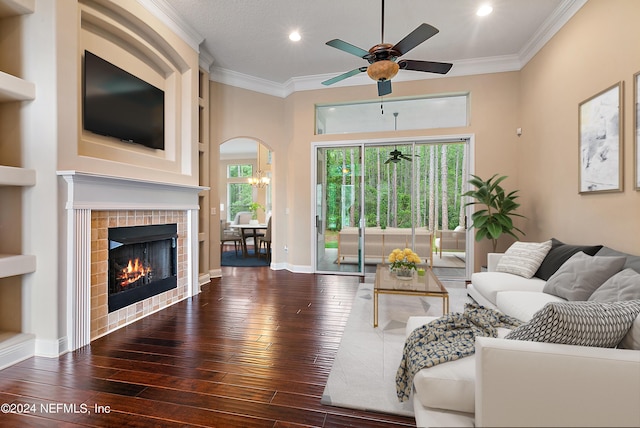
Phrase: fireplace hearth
(142, 263)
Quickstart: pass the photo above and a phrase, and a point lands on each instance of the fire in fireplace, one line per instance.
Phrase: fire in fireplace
(142, 263)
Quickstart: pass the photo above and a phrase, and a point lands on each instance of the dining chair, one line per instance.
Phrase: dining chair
(228, 236)
(266, 240)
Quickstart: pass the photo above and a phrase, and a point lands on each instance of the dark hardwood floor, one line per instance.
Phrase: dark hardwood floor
(254, 349)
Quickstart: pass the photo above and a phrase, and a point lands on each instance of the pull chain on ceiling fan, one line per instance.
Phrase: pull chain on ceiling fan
(382, 57)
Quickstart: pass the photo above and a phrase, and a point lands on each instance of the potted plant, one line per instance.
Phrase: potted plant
(254, 207)
(495, 218)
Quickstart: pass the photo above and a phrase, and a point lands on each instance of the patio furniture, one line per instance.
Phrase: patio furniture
(451, 240)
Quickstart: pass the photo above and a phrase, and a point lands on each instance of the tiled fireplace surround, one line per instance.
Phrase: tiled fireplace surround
(103, 321)
(95, 203)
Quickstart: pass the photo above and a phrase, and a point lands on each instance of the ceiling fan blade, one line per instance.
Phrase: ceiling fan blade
(347, 47)
(387, 161)
(413, 39)
(344, 76)
(384, 87)
(428, 66)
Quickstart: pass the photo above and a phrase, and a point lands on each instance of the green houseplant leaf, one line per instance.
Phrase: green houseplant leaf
(496, 209)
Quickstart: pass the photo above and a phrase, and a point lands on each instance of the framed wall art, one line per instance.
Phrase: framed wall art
(636, 127)
(600, 134)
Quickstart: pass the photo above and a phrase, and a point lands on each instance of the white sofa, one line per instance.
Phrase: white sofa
(522, 383)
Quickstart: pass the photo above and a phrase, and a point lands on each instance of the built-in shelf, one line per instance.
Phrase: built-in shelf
(12, 176)
(16, 264)
(13, 88)
(15, 347)
(16, 7)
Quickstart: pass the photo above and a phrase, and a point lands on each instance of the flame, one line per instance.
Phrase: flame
(133, 272)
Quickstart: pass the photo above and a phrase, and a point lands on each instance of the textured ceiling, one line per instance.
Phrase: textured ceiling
(250, 37)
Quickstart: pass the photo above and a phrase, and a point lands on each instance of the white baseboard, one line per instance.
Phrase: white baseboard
(17, 348)
(51, 348)
(204, 278)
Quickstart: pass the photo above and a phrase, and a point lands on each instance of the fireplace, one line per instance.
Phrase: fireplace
(142, 263)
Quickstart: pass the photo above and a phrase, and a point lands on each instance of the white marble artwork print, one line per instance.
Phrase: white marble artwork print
(600, 142)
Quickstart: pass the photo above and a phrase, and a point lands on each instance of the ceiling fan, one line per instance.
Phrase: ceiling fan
(396, 155)
(382, 58)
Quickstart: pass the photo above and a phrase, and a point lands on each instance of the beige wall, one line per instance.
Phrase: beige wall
(235, 113)
(288, 126)
(596, 49)
(543, 163)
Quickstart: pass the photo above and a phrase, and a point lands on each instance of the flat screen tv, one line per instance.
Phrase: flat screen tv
(120, 105)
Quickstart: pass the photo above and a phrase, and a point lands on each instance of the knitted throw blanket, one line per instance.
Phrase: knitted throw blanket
(448, 338)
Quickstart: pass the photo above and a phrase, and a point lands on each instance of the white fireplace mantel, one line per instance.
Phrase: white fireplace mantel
(88, 192)
(102, 192)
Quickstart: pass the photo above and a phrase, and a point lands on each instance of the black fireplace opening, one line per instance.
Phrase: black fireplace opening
(142, 263)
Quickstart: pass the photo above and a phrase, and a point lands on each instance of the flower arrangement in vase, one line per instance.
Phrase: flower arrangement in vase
(403, 262)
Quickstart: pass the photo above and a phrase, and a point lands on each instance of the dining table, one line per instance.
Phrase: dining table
(248, 230)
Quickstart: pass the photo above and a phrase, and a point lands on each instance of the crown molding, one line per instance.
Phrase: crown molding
(244, 81)
(468, 67)
(310, 83)
(549, 28)
(205, 60)
(163, 10)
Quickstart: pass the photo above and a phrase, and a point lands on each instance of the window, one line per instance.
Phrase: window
(239, 197)
(442, 111)
(239, 171)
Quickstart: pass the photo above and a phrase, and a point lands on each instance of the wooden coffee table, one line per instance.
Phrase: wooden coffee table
(427, 285)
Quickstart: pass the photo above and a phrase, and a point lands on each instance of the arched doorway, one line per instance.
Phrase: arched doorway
(245, 180)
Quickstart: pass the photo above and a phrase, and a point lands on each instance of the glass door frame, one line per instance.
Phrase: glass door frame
(469, 139)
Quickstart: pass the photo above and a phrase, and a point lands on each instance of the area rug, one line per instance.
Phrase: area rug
(229, 258)
(363, 373)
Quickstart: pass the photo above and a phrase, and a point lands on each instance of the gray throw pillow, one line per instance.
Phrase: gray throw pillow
(625, 285)
(579, 323)
(560, 253)
(523, 258)
(632, 262)
(581, 275)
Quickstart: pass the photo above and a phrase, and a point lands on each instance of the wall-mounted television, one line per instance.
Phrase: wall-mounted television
(120, 105)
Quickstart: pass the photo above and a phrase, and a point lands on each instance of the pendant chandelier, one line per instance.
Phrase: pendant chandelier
(260, 178)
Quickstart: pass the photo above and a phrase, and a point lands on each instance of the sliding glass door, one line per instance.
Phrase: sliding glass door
(338, 209)
(400, 195)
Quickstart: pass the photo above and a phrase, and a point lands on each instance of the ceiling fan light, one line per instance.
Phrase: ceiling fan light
(383, 70)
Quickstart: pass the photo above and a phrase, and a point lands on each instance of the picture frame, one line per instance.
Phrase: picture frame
(601, 141)
(636, 128)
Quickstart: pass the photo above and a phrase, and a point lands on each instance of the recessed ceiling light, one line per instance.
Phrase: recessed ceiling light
(484, 10)
(295, 36)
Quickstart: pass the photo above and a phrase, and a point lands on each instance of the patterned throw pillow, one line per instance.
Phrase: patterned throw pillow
(580, 323)
(523, 258)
